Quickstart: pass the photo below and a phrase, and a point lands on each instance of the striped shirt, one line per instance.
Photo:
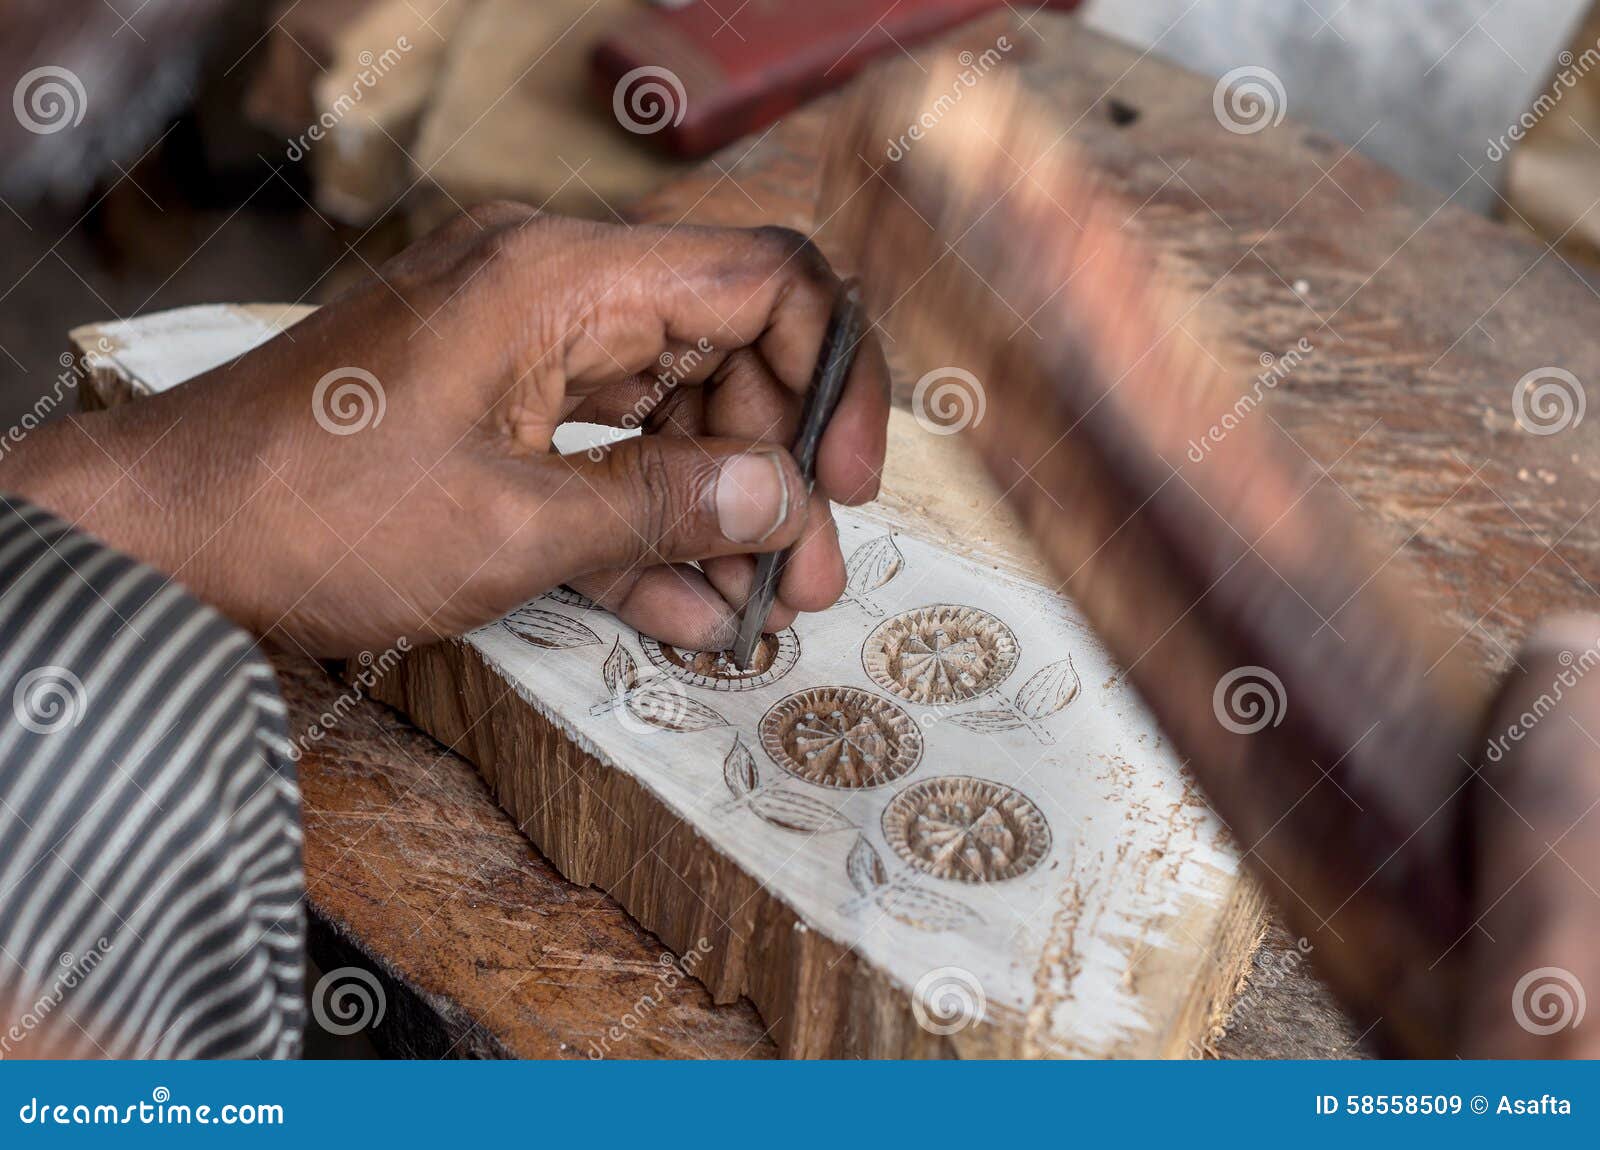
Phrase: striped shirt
(151, 892)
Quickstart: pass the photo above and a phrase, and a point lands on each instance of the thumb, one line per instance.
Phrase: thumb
(670, 499)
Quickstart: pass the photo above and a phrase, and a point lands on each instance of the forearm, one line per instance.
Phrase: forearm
(142, 479)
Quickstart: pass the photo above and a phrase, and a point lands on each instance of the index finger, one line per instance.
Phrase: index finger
(633, 293)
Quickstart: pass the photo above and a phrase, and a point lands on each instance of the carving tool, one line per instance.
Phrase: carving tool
(1215, 576)
(827, 384)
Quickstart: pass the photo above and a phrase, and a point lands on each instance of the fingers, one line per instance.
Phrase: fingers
(813, 578)
(850, 458)
(631, 297)
(675, 604)
(662, 499)
(734, 578)
(1536, 850)
(746, 400)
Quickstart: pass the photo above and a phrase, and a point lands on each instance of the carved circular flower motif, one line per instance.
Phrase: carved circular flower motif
(716, 670)
(966, 829)
(841, 737)
(940, 654)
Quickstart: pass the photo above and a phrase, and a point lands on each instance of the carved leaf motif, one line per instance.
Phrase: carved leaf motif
(666, 706)
(872, 565)
(739, 769)
(548, 629)
(1049, 690)
(620, 672)
(926, 909)
(564, 594)
(796, 812)
(864, 867)
(987, 722)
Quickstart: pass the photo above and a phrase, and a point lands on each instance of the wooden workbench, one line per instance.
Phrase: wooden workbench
(1423, 319)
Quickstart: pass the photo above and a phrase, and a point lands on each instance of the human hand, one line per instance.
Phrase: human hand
(1529, 959)
(439, 505)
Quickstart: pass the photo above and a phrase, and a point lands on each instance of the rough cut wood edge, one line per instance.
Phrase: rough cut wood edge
(1204, 972)
(1229, 959)
(601, 827)
(104, 382)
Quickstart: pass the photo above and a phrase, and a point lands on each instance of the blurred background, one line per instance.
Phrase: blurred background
(160, 153)
(210, 150)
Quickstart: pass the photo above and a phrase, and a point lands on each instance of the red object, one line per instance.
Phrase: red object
(697, 77)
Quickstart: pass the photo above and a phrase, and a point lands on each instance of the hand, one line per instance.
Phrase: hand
(1529, 959)
(441, 506)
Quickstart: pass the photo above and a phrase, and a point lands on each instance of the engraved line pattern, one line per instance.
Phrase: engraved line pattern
(940, 654)
(967, 830)
(841, 737)
(716, 671)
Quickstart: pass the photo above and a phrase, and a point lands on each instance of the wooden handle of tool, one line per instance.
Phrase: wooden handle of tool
(1211, 562)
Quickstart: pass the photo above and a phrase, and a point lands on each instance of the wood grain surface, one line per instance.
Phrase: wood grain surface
(1424, 317)
(484, 950)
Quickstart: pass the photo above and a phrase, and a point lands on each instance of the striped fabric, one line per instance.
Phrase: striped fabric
(150, 875)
